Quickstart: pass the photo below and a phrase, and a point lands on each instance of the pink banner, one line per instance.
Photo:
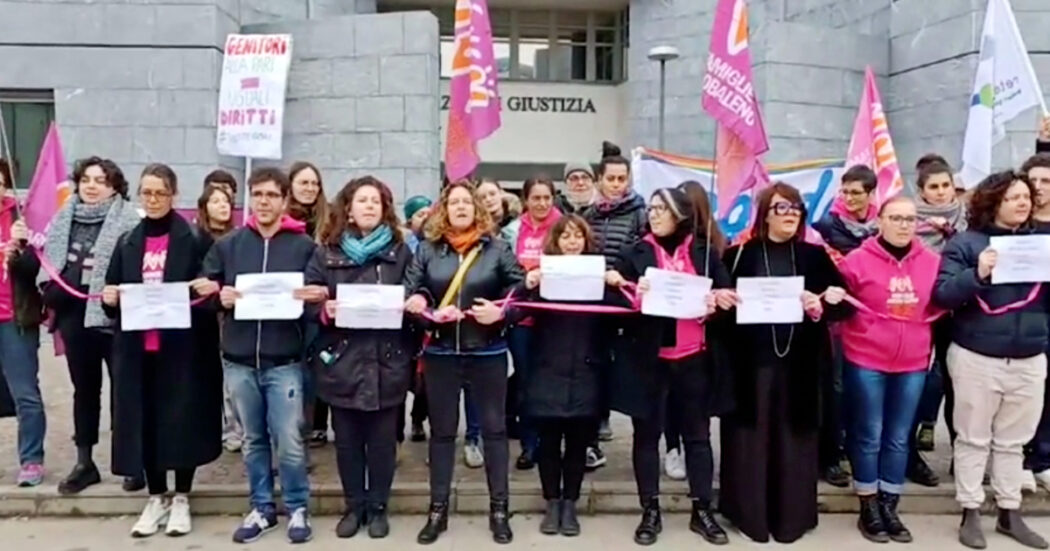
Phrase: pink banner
(474, 105)
(49, 190)
(737, 169)
(871, 144)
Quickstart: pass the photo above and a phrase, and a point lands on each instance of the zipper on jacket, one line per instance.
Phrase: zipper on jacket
(258, 332)
(459, 302)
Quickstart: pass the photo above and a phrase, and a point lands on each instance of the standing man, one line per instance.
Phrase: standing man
(1037, 169)
(262, 360)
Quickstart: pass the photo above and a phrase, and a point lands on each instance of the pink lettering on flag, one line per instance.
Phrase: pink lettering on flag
(474, 106)
(49, 190)
(871, 144)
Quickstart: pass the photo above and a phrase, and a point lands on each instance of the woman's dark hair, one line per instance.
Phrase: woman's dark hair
(989, 194)
(550, 244)
(611, 156)
(863, 174)
(340, 219)
(165, 173)
(929, 169)
(265, 174)
(538, 180)
(704, 219)
(220, 176)
(6, 175)
(1039, 160)
(114, 176)
(765, 200)
(317, 215)
(930, 158)
(203, 221)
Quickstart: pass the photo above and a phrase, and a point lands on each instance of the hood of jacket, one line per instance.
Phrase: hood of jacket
(288, 224)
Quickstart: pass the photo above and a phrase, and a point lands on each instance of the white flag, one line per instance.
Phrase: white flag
(1004, 87)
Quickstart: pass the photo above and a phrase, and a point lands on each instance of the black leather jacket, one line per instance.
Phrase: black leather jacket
(494, 274)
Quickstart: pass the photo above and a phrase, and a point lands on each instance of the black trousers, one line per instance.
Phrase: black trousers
(672, 430)
(419, 407)
(561, 475)
(157, 481)
(86, 350)
(445, 378)
(320, 420)
(366, 454)
(833, 416)
(157, 478)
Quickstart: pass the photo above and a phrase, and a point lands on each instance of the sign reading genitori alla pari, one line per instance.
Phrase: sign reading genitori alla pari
(251, 95)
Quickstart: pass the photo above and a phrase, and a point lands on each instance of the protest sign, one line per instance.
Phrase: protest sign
(251, 95)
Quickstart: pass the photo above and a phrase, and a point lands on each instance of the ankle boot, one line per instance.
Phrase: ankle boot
(570, 525)
(703, 522)
(499, 521)
(552, 518)
(378, 523)
(351, 522)
(1011, 524)
(970, 533)
(870, 521)
(651, 525)
(437, 522)
(896, 529)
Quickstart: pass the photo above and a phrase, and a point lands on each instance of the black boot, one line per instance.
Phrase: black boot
(651, 525)
(870, 521)
(570, 525)
(703, 522)
(896, 529)
(352, 520)
(970, 533)
(1011, 524)
(82, 476)
(134, 483)
(921, 473)
(437, 522)
(499, 521)
(551, 522)
(378, 523)
(836, 476)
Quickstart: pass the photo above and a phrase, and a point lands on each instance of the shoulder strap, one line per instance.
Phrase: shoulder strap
(737, 259)
(461, 274)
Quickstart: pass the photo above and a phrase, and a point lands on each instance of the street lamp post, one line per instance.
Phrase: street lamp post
(663, 54)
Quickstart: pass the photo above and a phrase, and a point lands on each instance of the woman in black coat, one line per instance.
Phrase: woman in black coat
(769, 443)
(167, 384)
(363, 374)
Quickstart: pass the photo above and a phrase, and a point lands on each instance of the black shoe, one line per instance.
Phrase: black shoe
(378, 523)
(524, 462)
(499, 522)
(970, 533)
(595, 459)
(418, 434)
(551, 522)
(836, 476)
(870, 521)
(351, 522)
(1011, 524)
(437, 522)
(82, 476)
(703, 522)
(896, 529)
(651, 525)
(317, 439)
(133, 483)
(921, 473)
(570, 525)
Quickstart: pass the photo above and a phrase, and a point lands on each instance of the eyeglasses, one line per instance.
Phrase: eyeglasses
(852, 192)
(902, 220)
(657, 209)
(784, 209)
(151, 194)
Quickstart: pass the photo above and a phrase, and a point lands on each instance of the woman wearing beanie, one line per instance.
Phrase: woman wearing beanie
(579, 189)
(996, 359)
(458, 272)
(661, 361)
(887, 344)
(167, 384)
(417, 209)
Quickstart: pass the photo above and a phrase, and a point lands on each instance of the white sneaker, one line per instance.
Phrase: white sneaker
(473, 456)
(1043, 480)
(153, 516)
(674, 465)
(179, 523)
(1028, 482)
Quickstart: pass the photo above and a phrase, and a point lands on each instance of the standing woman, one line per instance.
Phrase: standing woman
(80, 242)
(495, 202)
(363, 374)
(671, 364)
(886, 344)
(458, 272)
(167, 384)
(996, 359)
(769, 443)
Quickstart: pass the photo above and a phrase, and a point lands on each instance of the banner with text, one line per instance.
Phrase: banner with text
(251, 95)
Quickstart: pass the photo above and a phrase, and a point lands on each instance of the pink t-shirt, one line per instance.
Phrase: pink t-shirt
(689, 334)
(153, 259)
(7, 295)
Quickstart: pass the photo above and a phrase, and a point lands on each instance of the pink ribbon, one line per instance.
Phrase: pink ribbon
(1013, 305)
(628, 289)
(867, 310)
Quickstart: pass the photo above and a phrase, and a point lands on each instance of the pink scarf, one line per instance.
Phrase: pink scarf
(689, 335)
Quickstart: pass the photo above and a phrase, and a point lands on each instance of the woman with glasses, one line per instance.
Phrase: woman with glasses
(887, 343)
(769, 442)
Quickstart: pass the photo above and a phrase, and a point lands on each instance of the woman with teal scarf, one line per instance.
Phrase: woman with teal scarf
(363, 374)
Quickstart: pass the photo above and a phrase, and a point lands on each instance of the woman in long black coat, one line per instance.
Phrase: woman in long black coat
(167, 384)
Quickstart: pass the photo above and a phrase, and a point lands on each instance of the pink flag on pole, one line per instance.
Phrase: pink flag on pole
(474, 103)
(729, 97)
(871, 144)
(49, 189)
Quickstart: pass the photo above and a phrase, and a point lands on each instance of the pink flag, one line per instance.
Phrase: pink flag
(49, 189)
(474, 104)
(871, 144)
(729, 97)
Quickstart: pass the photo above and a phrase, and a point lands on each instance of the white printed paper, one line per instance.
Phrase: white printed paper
(675, 295)
(268, 296)
(572, 277)
(145, 306)
(1021, 258)
(769, 300)
(364, 306)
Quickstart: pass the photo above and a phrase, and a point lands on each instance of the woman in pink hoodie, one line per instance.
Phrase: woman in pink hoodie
(887, 342)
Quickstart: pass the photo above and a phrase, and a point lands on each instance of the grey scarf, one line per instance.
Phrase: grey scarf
(933, 236)
(117, 216)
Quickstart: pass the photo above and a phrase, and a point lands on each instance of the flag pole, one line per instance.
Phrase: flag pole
(714, 212)
(246, 207)
(6, 153)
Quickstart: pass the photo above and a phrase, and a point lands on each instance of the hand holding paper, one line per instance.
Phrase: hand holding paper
(145, 306)
(369, 306)
(674, 294)
(1016, 259)
(765, 300)
(572, 277)
(268, 296)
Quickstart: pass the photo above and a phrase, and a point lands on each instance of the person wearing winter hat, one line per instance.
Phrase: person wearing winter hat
(579, 188)
(417, 209)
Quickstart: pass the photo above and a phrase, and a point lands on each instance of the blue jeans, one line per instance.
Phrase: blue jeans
(882, 412)
(269, 402)
(473, 434)
(18, 362)
(519, 340)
